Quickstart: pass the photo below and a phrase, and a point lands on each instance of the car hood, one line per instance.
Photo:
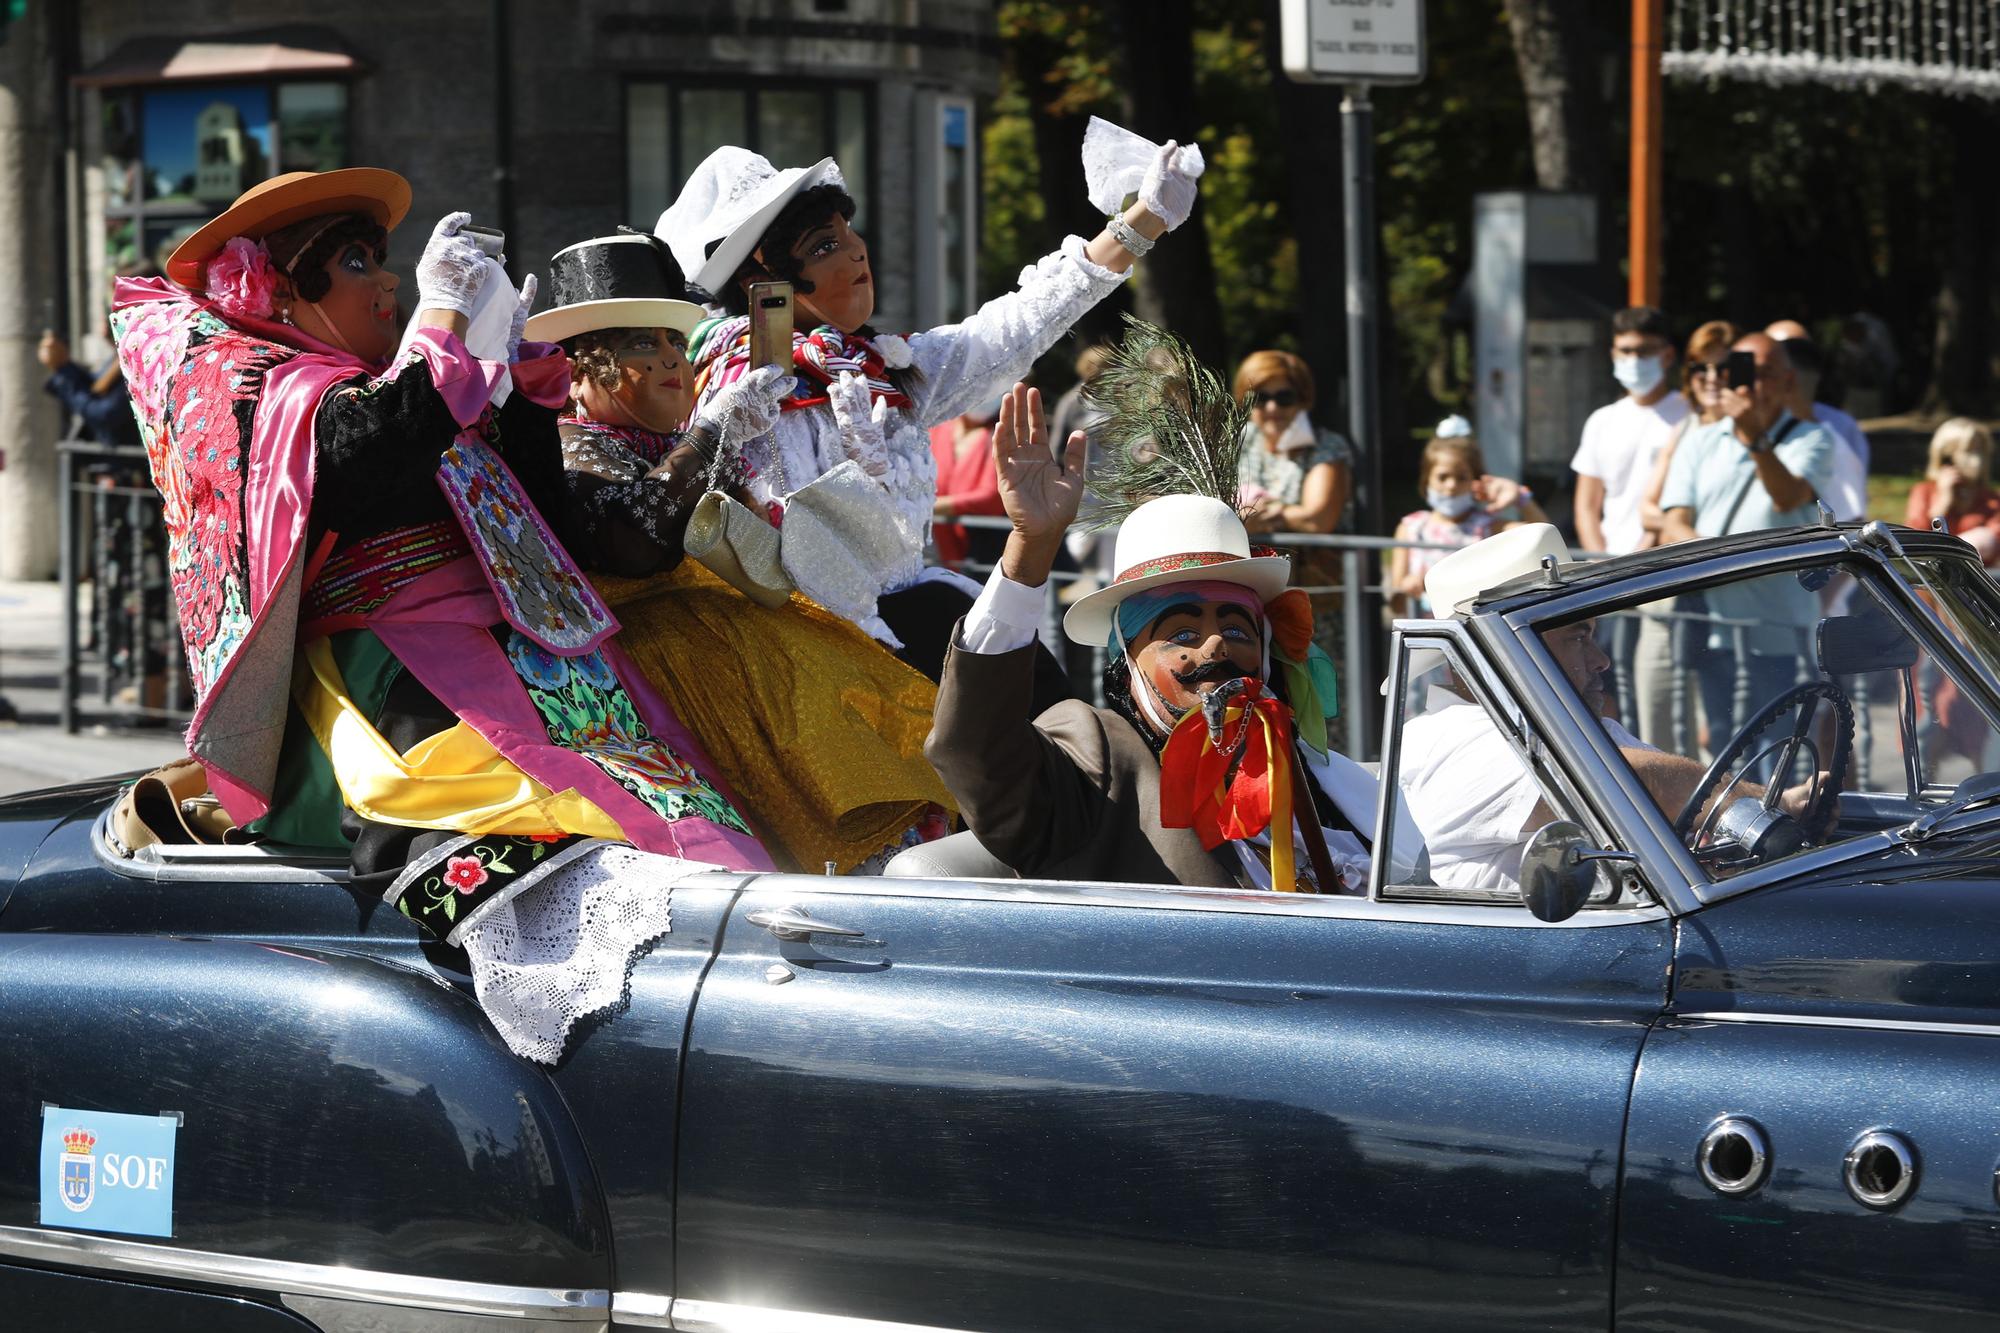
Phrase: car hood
(1900, 935)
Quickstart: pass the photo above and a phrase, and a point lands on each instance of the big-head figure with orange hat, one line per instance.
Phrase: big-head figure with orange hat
(392, 652)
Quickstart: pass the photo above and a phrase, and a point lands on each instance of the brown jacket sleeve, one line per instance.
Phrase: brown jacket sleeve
(1032, 792)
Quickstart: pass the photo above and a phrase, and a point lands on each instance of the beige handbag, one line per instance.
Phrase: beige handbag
(740, 547)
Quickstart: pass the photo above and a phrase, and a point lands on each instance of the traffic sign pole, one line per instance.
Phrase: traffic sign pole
(1358, 44)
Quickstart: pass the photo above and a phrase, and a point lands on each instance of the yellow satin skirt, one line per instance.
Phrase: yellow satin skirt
(818, 727)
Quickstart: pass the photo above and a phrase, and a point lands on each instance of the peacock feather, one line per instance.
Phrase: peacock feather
(1171, 426)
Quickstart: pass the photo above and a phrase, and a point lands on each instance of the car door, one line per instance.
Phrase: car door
(1018, 1105)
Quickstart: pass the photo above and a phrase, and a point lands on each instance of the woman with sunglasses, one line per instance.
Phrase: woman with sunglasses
(1292, 477)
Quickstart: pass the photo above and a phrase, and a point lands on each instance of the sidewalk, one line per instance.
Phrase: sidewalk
(34, 752)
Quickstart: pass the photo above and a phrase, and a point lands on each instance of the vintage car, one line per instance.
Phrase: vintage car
(1717, 1067)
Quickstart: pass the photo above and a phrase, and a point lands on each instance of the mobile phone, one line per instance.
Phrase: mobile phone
(490, 239)
(1739, 370)
(770, 324)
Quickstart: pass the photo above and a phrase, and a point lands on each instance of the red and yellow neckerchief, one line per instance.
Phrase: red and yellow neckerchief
(1226, 771)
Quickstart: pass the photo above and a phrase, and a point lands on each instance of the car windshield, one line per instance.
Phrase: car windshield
(1786, 710)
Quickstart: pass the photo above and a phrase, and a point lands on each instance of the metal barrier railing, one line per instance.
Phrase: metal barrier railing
(133, 637)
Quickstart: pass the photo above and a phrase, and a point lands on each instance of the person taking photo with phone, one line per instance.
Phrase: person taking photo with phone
(847, 470)
(1759, 467)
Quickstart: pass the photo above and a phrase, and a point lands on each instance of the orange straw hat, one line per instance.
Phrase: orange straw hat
(283, 200)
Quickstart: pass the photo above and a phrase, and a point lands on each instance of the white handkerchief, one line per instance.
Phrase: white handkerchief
(1115, 161)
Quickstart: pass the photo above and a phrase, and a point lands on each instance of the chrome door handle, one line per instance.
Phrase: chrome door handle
(789, 923)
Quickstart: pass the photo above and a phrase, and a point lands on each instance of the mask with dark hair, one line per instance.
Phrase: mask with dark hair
(812, 208)
(301, 251)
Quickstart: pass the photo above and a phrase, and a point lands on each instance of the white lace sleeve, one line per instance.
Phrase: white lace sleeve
(961, 365)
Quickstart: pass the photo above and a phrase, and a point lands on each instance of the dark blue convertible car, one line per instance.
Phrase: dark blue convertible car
(1729, 1066)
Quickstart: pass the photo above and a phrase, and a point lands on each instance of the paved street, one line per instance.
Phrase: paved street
(34, 752)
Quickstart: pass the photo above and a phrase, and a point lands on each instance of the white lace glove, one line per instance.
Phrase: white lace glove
(519, 328)
(452, 269)
(748, 408)
(1169, 188)
(862, 425)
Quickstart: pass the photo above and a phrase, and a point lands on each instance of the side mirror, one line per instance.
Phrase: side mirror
(1558, 870)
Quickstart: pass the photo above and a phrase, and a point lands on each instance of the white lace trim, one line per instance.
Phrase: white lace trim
(564, 948)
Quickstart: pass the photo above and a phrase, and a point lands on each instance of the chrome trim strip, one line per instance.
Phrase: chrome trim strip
(718, 1317)
(642, 1309)
(1242, 901)
(105, 1254)
(1831, 1021)
(243, 863)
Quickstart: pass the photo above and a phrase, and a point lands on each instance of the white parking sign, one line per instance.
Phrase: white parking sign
(1354, 41)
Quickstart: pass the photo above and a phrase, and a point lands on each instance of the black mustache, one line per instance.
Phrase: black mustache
(1208, 671)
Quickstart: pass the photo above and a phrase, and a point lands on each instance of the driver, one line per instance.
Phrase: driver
(1466, 788)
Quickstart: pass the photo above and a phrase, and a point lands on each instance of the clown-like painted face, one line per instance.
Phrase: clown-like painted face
(1196, 641)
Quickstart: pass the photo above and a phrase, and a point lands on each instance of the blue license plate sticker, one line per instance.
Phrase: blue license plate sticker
(106, 1171)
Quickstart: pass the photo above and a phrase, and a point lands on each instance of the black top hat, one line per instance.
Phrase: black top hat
(627, 281)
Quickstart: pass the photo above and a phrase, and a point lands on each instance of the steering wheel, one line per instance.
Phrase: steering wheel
(1734, 756)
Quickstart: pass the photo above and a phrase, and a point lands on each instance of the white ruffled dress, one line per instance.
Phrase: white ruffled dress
(855, 536)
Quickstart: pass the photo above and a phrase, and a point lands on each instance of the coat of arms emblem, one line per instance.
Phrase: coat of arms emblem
(79, 1169)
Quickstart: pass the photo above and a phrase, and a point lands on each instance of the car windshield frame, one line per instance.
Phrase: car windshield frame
(1510, 629)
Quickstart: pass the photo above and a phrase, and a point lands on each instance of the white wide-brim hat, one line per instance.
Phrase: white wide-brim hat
(733, 197)
(1175, 539)
(613, 282)
(1463, 575)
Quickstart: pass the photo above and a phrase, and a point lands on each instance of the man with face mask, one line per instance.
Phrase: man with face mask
(1614, 463)
(1193, 618)
(1622, 440)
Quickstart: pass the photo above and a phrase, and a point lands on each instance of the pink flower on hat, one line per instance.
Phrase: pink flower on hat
(242, 280)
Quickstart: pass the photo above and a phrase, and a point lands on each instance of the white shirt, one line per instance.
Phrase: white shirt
(1469, 793)
(1006, 616)
(1847, 493)
(1621, 442)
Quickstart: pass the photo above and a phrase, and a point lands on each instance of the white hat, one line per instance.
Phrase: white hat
(1463, 575)
(1175, 539)
(733, 197)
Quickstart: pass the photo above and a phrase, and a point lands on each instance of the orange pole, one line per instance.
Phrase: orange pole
(1648, 36)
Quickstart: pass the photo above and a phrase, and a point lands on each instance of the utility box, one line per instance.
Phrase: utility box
(1541, 329)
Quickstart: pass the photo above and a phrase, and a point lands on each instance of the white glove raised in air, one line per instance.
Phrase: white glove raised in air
(1169, 188)
(749, 407)
(862, 425)
(453, 268)
(519, 328)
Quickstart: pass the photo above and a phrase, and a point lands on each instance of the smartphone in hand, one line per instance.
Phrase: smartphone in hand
(770, 324)
(490, 239)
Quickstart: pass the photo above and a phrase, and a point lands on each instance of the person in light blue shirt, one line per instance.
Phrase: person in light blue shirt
(1760, 467)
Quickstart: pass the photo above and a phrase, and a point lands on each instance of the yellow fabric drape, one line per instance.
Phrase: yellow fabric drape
(454, 780)
(818, 727)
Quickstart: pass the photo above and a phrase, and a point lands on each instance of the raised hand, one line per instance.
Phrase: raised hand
(452, 268)
(519, 328)
(863, 424)
(1040, 492)
(1168, 191)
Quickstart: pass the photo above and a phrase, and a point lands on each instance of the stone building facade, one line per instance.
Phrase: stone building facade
(124, 123)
